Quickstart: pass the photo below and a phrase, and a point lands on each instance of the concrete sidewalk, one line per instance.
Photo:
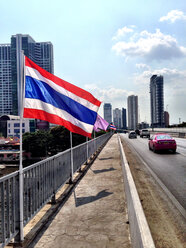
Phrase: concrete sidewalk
(95, 215)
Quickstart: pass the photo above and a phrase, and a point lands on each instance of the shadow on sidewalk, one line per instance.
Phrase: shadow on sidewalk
(85, 200)
(107, 158)
(103, 170)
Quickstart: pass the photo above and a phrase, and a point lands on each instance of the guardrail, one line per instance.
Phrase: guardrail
(41, 182)
(139, 229)
(171, 129)
(179, 132)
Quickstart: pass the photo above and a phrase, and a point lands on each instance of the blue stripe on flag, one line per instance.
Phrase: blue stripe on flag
(36, 89)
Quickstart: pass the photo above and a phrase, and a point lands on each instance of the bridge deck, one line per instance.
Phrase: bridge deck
(95, 214)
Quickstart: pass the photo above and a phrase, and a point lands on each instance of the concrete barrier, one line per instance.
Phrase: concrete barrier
(172, 133)
(139, 230)
(182, 135)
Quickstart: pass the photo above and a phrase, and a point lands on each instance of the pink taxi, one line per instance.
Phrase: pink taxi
(162, 141)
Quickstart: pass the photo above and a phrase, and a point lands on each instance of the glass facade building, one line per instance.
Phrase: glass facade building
(5, 80)
(44, 56)
(132, 103)
(117, 118)
(157, 101)
(107, 109)
(124, 118)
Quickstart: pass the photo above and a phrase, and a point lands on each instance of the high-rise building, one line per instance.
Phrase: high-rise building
(132, 102)
(107, 109)
(117, 118)
(166, 118)
(39, 52)
(124, 118)
(157, 101)
(5, 80)
(44, 56)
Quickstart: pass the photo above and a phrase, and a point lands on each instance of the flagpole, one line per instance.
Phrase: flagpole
(94, 142)
(87, 148)
(71, 154)
(21, 77)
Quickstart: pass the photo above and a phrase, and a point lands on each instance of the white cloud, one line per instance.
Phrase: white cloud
(122, 31)
(116, 96)
(142, 66)
(152, 46)
(174, 92)
(108, 93)
(171, 76)
(173, 15)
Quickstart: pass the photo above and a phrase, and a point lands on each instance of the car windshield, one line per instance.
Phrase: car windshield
(163, 137)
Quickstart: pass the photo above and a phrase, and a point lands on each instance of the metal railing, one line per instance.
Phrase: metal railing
(41, 182)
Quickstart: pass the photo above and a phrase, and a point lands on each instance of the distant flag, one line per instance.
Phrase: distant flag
(52, 99)
(100, 124)
(112, 127)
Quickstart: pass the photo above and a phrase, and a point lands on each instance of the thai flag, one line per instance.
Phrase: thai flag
(52, 99)
(100, 124)
(112, 127)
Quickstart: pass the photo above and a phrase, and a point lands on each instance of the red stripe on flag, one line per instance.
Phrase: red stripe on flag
(68, 86)
(42, 115)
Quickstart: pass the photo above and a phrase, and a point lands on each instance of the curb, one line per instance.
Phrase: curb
(139, 230)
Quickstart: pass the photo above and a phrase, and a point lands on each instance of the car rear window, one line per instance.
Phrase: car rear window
(160, 137)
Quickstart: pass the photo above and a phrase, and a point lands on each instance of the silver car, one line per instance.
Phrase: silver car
(145, 133)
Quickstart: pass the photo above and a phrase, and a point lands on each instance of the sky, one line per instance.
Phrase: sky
(110, 48)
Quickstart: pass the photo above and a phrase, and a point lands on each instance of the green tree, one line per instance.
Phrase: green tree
(37, 143)
(48, 143)
(61, 139)
(101, 132)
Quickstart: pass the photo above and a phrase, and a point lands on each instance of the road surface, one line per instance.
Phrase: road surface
(170, 168)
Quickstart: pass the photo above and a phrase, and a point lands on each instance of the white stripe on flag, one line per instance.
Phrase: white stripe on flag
(39, 105)
(35, 74)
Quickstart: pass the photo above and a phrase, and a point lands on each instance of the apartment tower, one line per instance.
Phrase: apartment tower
(132, 103)
(5, 80)
(117, 118)
(157, 101)
(107, 109)
(124, 118)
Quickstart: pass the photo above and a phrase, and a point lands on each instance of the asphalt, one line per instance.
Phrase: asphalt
(95, 214)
